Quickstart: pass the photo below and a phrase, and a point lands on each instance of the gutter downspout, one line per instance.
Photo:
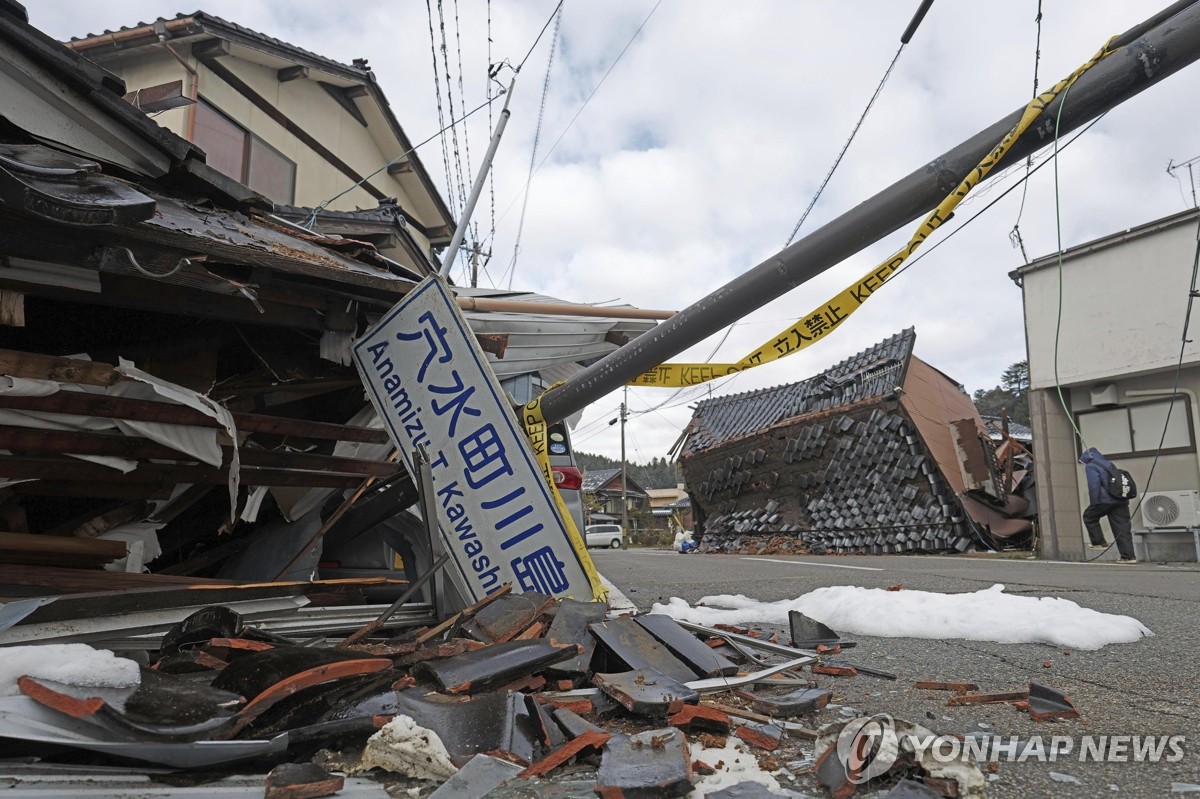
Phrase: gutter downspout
(193, 91)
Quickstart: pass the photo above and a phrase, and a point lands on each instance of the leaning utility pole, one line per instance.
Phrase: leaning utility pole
(624, 471)
(461, 230)
(1151, 51)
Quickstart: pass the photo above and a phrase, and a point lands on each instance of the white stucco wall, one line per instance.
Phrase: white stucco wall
(1122, 310)
(307, 104)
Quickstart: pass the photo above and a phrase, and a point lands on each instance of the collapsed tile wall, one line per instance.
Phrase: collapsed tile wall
(845, 480)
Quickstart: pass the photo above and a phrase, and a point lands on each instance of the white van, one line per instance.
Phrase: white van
(604, 535)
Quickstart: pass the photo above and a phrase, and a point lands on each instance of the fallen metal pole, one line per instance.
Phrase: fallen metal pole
(1152, 51)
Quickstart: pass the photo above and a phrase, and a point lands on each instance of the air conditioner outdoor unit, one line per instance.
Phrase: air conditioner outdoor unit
(1171, 509)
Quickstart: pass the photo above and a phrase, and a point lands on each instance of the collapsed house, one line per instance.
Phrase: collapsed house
(176, 392)
(881, 453)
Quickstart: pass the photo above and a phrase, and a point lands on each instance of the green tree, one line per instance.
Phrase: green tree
(1012, 395)
(1015, 379)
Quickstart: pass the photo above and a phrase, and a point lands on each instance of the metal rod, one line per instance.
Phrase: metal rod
(377, 624)
(1162, 51)
(477, 189)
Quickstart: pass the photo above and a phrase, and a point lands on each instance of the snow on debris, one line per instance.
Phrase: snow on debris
(73, 664)
(986, 615)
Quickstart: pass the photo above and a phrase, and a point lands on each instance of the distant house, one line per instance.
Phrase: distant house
(1117, 358)
(670, 506)
(602, 493)
(292, 125)
(1017, 432)
(880, 453)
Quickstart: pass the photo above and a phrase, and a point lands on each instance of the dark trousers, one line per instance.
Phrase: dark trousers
(1118, 519)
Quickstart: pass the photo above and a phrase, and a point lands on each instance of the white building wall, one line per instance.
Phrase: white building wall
(1122, 307)
(1125, 299)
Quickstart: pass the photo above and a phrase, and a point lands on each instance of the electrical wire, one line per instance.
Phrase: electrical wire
(846, 146)
(929, 251)
(1192, 293)
(511, 271)
(437, 90)
(533, 46)
(1014, 235)
(584, 105)
(1058, 226)
(308, 223)
(461, 181)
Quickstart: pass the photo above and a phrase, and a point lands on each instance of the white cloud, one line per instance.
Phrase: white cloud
(695, 159)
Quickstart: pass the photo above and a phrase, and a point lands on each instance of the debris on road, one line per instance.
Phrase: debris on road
(937, 685)
(1046, 703)
(880, 453)
(488, 702)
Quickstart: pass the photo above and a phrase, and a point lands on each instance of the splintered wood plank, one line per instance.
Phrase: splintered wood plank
(35, 366)
(28, 548)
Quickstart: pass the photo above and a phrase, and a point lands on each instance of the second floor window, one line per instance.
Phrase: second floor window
(234, 151)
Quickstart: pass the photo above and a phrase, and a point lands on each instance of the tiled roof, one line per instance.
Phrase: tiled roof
(996, 430)
(873, 372)
(204, 17)
(593, 480)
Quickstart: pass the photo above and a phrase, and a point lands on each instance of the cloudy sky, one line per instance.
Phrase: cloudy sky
(697, 155)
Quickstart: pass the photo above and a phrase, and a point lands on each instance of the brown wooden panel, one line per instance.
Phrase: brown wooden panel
(32, 441)
(46, 468)
(150, 411)
(26, 548)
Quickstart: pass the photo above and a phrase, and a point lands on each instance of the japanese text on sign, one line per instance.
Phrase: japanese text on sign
(430, 384)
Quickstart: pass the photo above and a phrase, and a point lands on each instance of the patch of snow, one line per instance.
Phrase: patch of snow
(407, 748)
(71, 664)
(986, 615)
(737, 766)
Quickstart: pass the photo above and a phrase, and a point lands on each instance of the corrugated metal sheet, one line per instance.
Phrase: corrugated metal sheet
(551, 345)
(933, 400)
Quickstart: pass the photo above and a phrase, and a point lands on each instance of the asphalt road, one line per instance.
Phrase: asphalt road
(1151, 687)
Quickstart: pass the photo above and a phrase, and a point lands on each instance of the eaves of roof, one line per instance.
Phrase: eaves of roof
(95, 83)
(1105, 242)
(200, 24)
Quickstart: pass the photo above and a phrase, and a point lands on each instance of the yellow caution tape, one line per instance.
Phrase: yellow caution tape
(826, 317)
(535, 428)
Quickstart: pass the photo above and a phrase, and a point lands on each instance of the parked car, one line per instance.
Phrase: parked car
(605, 535)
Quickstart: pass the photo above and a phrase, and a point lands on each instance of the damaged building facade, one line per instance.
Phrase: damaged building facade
(176, 392)
(881, 453)
(305, 131)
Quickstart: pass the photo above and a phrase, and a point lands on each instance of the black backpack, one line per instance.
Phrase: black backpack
(1120, 484)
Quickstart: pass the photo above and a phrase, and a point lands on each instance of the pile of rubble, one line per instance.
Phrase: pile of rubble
(517, 695)
(879, 454)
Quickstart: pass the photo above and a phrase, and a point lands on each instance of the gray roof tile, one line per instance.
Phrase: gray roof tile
(723, 418)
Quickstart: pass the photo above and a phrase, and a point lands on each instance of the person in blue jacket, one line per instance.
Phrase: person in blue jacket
(1105, 505)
